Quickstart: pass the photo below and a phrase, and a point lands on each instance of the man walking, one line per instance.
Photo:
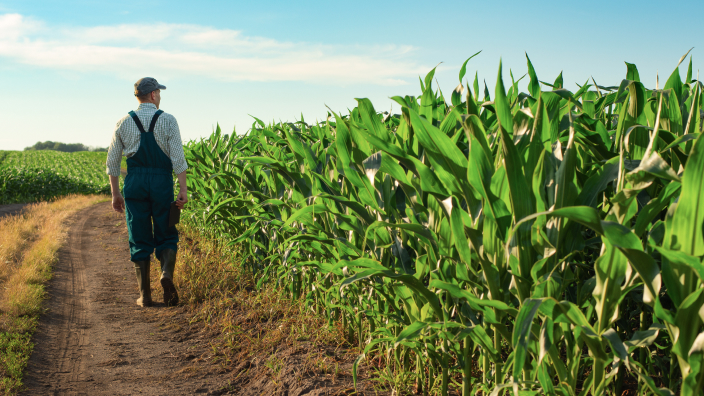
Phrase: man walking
(152, 154)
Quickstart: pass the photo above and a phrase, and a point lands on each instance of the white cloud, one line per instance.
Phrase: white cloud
(221, 54)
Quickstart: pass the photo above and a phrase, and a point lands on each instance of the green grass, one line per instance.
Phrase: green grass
(17, 349)
(32, 176)
(546, 242)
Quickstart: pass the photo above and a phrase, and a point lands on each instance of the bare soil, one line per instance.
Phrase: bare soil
(94, 339)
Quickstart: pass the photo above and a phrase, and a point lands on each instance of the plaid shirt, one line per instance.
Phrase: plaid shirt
(127, 136)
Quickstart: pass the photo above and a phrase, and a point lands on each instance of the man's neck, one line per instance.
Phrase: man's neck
(141, 103)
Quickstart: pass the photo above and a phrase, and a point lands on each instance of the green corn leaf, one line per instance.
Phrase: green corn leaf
(450, 164)
(644, 338)
(688, 321)
(503, 110)
(344, 149)
(522, 206)
(429, 79)
(475, 85)
(461, 242)
(655, 206)
(546, 338)
(411, 332)
(304, 212)
(678, 269)
(632, 72)
(650, 167)
(566, 312)
(616, 344)
(420, 231)
(534, 83)
(456, 98)
(687, 235)
(674, 82)
(679, 140)
(481, 338)
(598, 183)
(558, 82)
(463, 69)
(429, 180)
(545, 380)
(356, 207)
(693, 123)
(522, 333)
(408, 280)
(371, 120)
(610, 269)
(455, 291)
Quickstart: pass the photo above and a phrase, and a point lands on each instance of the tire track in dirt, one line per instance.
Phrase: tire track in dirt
(72, 324)
(94, 339)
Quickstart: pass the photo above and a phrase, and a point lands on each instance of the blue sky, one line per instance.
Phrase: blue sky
(67, 67)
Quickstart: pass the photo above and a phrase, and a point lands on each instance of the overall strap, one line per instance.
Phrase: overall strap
(151, 125)
(137, 121)
(154, 118)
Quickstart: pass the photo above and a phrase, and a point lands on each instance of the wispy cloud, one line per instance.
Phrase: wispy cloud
(221, 54)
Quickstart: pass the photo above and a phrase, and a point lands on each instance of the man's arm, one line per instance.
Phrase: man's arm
(113, 169)
(118, 203)
(178, 161)
(114, 159)
(182, 197)
(175, 144)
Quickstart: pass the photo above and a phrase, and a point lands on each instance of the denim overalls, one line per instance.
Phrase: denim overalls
(148, 192)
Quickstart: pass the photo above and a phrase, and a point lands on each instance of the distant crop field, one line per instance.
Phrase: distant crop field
(31, 176)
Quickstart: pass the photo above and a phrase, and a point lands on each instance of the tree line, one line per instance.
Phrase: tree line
(63, 147)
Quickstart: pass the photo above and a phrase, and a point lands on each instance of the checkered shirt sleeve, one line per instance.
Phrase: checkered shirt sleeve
(126, 138)
(115, 152)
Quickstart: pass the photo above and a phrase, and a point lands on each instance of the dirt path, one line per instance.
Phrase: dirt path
(94, 340)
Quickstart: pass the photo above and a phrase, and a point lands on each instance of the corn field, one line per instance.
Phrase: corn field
(541, 242)
(32, 176)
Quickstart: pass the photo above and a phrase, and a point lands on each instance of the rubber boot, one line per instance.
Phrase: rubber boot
(168, 263)
(145, 291)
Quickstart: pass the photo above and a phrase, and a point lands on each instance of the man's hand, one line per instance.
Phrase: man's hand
(181, 198)
(118, 204)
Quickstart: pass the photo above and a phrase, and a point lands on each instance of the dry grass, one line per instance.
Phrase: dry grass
(29, 243)
(16, 233)
(211, 279)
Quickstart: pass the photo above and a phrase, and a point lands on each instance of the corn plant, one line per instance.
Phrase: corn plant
(540, 242)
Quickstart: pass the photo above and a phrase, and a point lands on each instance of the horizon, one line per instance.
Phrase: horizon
(70, 67)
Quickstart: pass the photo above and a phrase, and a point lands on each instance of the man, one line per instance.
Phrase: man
(152, 154)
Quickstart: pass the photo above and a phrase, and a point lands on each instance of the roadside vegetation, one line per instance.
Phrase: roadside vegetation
(259, 330)
(34, 176)
(484, 242)
(29, 243)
